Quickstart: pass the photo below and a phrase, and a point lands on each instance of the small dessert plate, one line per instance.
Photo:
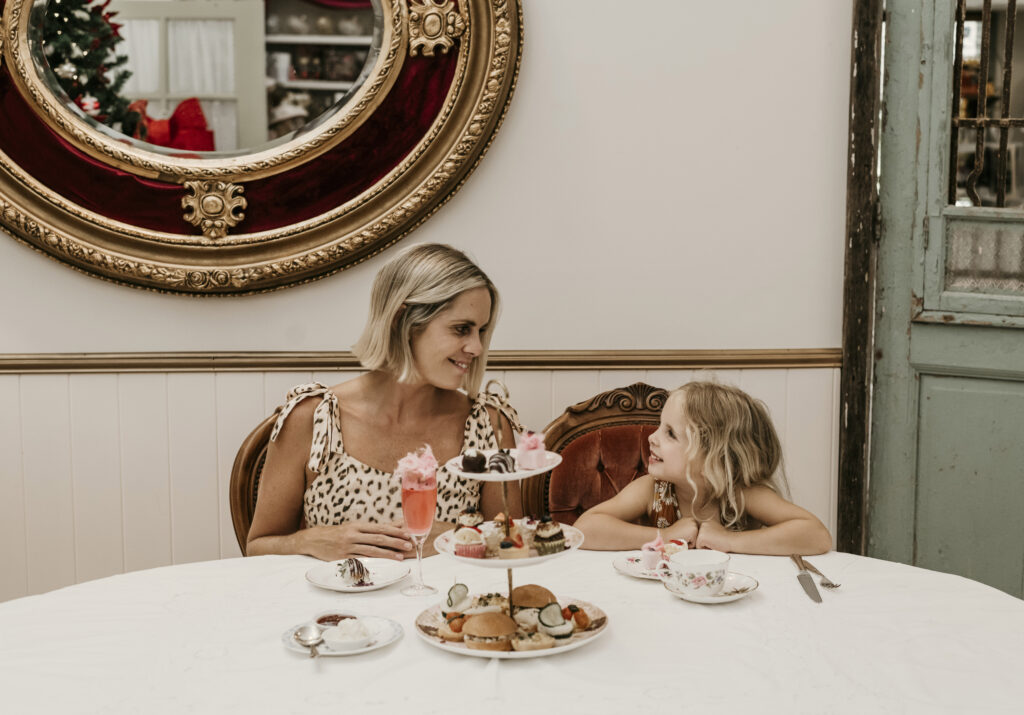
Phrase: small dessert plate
(383, 572)
(736, 586)
(383, 631)
(445, 544)
(629, 564)
(454, 466)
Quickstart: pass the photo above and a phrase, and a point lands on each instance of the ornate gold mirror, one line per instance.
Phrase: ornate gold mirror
(387, 146)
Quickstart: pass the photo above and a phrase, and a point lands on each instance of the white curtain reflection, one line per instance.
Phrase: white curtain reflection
(200, 56)
(222, 118)
(201, 62)
(142, 45)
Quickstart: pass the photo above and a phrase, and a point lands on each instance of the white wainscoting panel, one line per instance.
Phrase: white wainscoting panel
(105, 473)
(49, 491)
(196, 500)
(145, 470)
(96, 475)
(13, 549)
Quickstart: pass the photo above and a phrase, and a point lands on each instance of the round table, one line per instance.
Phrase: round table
(206, 637)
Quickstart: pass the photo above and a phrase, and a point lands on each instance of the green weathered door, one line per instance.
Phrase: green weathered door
(946, 485)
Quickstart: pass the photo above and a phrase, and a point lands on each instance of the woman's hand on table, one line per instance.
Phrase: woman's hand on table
(358, 538)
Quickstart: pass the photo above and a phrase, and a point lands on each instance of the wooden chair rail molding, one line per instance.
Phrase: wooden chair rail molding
(268, 361)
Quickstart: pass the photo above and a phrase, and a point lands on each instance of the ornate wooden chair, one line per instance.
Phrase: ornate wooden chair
(245, 478)
(603, 443)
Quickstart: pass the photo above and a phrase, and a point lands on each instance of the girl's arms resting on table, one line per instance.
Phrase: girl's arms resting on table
(788, 528)
(610, 526)
(277, 522)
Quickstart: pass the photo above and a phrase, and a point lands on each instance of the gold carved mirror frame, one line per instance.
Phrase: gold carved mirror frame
(323, 201)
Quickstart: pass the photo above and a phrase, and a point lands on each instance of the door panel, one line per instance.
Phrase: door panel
(946, 486)
(970, 493)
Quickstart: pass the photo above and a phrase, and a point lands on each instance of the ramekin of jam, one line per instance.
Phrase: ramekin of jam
(332, 618)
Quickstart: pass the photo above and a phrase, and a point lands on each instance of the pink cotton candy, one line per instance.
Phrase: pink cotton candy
(421, 466)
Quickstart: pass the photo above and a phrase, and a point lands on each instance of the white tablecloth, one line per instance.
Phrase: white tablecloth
(205, 637)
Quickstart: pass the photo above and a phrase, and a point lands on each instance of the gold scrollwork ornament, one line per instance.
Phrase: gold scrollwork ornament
(214, 206)
(434, 24)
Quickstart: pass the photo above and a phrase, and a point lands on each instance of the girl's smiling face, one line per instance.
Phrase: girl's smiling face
(669, 444)
(444, 350)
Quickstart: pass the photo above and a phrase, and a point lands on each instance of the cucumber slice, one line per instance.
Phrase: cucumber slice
(551, 615)
(457, 593)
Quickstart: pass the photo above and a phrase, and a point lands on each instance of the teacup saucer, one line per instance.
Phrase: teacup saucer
(736, 586)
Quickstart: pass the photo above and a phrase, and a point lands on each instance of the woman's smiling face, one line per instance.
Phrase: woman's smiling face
(669, 444)
(444, 350)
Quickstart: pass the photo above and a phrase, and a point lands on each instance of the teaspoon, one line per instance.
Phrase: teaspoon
(310, 636)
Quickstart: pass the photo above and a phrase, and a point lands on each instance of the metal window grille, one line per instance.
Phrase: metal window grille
(986, 154)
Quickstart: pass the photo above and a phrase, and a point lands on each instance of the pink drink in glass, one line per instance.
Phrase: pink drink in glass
(419, 501)
(418, 471)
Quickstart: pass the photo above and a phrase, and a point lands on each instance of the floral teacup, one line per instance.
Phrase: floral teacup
(697, 571)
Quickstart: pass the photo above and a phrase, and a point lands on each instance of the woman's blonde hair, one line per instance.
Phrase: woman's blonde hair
(409, 292)
(732, 438)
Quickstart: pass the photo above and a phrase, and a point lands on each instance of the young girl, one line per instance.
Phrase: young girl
(717, 447)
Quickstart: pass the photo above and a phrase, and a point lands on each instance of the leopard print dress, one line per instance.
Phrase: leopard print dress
(346, 489)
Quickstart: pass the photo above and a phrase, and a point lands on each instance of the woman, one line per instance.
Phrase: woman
(327, 488)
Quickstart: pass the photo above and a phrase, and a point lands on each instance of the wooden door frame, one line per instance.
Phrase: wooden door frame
(862, 232)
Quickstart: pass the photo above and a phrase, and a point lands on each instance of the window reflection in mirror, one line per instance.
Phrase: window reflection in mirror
(223, 78)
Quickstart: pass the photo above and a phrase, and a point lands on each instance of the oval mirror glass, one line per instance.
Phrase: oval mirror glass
(216, 79)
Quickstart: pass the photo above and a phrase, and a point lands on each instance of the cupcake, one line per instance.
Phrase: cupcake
(501, 462)
(531, 453)
(548, 538)
(469, 517)
(469, 542)
(474, 461)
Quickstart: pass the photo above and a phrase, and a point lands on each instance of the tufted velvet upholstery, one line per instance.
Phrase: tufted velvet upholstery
(603, 443)
(595, 467)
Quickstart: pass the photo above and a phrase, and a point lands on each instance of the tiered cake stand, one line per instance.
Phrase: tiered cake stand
(445, 544)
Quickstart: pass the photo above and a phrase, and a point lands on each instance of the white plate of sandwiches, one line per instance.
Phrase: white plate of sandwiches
(490, 467)
(534, 632)
(526, 553)
(348, 577)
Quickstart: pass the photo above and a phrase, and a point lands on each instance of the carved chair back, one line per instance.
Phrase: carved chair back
(603, 443)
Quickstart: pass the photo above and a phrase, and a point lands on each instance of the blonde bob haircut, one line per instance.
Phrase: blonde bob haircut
(732, 439)
(409, 292)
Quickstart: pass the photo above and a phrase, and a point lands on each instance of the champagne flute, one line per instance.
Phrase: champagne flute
(419, 501)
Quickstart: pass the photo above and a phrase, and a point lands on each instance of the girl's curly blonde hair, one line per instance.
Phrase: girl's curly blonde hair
(732, 438)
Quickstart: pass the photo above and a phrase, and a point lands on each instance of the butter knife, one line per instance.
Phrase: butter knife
(804, 577)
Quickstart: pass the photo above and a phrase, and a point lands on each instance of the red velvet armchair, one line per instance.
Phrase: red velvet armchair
(603, 443)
